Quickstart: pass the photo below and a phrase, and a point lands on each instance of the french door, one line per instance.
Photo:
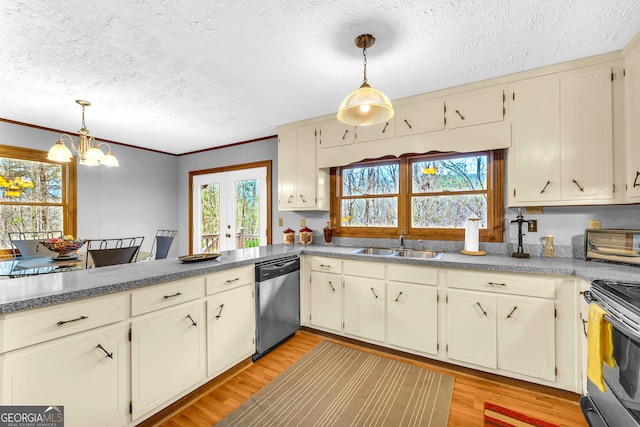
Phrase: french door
(229, 210)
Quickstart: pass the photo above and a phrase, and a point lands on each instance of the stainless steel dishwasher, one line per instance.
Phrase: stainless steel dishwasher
(277, 302)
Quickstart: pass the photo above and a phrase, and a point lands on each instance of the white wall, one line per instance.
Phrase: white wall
(134, 199)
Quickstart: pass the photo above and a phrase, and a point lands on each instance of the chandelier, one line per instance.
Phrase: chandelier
(88, 149)
(365, 105)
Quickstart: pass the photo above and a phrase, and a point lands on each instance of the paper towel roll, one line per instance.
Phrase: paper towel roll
(472, 235)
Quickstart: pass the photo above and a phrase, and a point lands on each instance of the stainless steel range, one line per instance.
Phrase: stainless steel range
(619, 404)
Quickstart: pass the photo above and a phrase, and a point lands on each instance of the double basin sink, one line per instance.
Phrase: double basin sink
(399, 252)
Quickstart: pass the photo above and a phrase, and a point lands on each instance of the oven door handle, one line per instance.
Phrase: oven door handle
(588, 297)
(614, 322)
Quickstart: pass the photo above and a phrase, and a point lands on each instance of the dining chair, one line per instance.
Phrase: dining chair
(26, 246)
(162, 243)
(105, 252)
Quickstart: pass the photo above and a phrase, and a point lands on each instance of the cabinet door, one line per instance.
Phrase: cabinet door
(632, 107)
(471, 327)
(231, 326)
(306, 170)
(420, 117)
(475, 107)
(364, 307)
(534, 158)
(526, 336)
(412, 316)
(74, 372)
(587, 135)
(326, 300)
(333, 133)
(168, 351)
(374, 132)
(287, 169)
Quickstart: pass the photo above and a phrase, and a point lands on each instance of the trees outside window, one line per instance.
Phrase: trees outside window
(427, 196)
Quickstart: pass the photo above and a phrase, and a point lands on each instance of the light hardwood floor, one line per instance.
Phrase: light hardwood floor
(212, 402)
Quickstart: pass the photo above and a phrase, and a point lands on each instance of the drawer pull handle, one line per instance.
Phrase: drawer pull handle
(545, 187)
(579, 186)
(494, 284)
(62, 322)
(408, 124)
(515, 307)
(233, 280)
(303, 199)
(345, 134)
(635, 181)
(174, 295)
(460, 114)
(398, 297)
(385, 127)
(374, 293)
(332, 288)
(482, 309)
(193, 322)
(109, 355)
(290, 199)
(219, 312)
(325, 266)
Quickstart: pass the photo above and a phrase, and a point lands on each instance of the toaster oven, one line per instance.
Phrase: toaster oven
(614, 245)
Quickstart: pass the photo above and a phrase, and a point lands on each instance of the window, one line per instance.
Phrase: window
(428, 196)
(35, 194)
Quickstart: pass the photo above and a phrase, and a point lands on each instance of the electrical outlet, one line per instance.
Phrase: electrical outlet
(303, 222)
(281, 221)
(594, 224)
(532, 227)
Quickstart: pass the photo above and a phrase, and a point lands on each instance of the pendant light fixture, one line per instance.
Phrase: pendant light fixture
(88, 149)
(365, 105)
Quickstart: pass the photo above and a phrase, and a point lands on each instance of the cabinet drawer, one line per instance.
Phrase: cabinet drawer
(42, 324)
(328, 265)
(364, 269)
(412, 274)
(166, 295)
(229, 279)
(475, 107)
(502, 283)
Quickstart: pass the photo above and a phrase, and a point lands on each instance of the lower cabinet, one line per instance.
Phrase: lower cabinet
(168, 349)
(364, 307)
(87, 373)
(231, 328)
(326, 300)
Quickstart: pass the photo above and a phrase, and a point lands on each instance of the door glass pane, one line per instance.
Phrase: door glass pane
(457, 174)
(370, 212)
(448, 211)
(247, 213)
(210, 221)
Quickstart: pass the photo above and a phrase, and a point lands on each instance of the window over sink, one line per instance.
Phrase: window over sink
(428, 196)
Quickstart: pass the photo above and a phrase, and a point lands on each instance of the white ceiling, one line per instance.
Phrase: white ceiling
(179, 76)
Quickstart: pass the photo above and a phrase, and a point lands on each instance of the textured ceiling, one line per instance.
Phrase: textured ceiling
(180, 76)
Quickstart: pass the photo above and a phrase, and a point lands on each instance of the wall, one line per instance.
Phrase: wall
(134, 199)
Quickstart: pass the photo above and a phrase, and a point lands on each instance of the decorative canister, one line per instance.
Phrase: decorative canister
(288, 236)
(328, 234)
(549, 249)
(306, 236)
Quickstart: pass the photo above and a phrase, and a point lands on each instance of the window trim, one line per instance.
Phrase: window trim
(69, 189)
(495, 202)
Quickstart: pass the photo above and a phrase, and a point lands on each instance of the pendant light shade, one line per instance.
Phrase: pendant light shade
(365, 105)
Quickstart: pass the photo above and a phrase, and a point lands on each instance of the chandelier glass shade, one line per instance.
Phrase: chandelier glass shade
(365, 105)
(88, 148)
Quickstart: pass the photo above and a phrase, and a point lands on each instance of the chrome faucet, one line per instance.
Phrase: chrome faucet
(402, 239)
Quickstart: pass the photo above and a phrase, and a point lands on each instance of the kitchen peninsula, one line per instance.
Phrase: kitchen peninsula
(128, 340)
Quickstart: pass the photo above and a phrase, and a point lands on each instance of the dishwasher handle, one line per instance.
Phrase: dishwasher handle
(278, 266)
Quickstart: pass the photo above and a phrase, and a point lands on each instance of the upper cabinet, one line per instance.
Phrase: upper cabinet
(475, 107)
(562, 146)
(632, 107)
(332, 133)
(380, 131)
(420, 117)
(301, 185)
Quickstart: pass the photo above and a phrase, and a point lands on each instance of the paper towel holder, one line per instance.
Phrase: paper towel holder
(468, 252)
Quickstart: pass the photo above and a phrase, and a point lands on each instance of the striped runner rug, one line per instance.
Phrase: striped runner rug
(334, 385)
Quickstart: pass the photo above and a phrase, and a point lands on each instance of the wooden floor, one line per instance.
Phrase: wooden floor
(212, 402)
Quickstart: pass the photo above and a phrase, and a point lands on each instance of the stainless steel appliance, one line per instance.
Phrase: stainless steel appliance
(614, 245)
(619, 404)
(277, 302)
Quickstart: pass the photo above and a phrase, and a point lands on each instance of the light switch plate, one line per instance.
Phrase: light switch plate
(532, 227)
(303, 222)
(280, 221)
(594, 224)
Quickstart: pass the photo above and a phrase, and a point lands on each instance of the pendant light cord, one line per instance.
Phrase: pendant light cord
(364, 55)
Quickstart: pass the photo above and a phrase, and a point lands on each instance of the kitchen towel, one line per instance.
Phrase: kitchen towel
(599, 345)
(472, 235)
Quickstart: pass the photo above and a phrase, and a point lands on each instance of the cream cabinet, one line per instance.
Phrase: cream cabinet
(562, 148)
(632, 110)
(475, 107)
(168, 349)
(301, 185)
(412, 308)
(230, 328)
(374, 132)
(326, 300)
(333, 133)
(419, 117)
(504, 322)
(364, 307)
(87, 373)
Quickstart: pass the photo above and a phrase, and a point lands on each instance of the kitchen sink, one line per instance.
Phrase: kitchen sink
(404, 253)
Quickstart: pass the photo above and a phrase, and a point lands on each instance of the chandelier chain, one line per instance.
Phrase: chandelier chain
(364, 61)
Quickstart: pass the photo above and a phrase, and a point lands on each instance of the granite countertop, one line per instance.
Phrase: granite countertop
(47, 289)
